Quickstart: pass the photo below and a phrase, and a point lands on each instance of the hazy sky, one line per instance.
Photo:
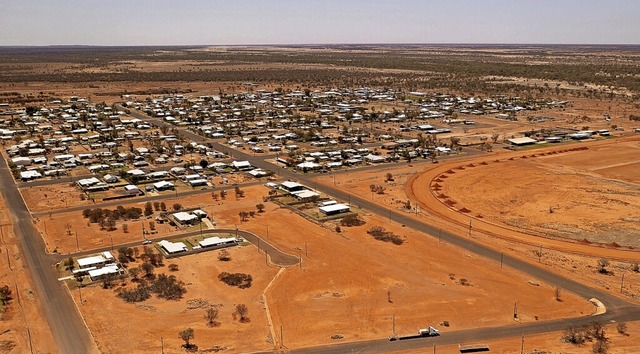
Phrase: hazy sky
(211, 22)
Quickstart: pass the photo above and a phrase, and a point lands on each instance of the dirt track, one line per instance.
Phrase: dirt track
(421, 188)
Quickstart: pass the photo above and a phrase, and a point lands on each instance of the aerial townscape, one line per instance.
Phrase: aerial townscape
(249, 194)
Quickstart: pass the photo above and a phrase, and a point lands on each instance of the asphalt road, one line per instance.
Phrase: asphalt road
(67, 326)
(276, 256)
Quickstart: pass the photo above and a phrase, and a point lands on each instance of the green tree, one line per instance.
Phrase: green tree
(187, 335)
(148, 209)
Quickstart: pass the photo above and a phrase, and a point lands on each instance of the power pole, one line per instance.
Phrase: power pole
(522, 345)
(393, 328)
(281, 338)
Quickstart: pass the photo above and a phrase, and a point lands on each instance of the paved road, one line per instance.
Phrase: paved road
(276, 256)
(146, 198)
(617, 308)
(69, 331)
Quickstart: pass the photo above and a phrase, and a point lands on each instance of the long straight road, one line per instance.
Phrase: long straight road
(67, 326)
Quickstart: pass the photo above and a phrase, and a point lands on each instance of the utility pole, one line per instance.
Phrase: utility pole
(522, 345)
(515, 311)
(281, 338)
(77, 243)
(469, 227)
(393, 325)
(8, 259)
(622, 282)
(161, 345)
(540, 254)
(306, 250)
(501, 259)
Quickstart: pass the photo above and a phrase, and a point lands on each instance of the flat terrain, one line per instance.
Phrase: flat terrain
(561, 207)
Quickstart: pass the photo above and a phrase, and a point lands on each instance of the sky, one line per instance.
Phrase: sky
(226, 22)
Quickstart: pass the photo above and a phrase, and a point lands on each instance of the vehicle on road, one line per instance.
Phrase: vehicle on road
(422, 332)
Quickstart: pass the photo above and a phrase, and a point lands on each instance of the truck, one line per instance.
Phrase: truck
(422, 332)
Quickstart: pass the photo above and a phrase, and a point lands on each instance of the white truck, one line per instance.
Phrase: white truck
(422, 332)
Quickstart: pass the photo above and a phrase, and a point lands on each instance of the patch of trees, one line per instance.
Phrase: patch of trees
(5, 296)
(352, 220)
(593, 332)
(164, 286)
(107, 218)
(240, 280)
(380, 234)
(377, 189)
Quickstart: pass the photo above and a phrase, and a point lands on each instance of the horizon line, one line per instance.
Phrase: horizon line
(311, 44)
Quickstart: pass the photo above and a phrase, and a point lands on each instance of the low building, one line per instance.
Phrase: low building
(522, 141)
(334, 209)
(172, 247)
(292, 186)
(132, 189)
(30, 175)
(95, 261)
(217, 241)
(109, 269)
(184, 218)
(163, 186)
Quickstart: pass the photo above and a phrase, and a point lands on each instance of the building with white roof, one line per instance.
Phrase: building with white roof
(172, 247)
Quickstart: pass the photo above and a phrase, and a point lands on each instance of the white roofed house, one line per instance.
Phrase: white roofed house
(30, 175)
(21, 161)
(184, 218)
(241, 165)
(163, 185)
(334, 209)
(173, 247)
(132, 189)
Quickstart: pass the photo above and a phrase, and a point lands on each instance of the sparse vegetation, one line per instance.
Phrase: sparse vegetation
(224, 256)
(239, 280)
(241, 312)
(603, 263)
(380, 234)
(352, 220)
(211, 315)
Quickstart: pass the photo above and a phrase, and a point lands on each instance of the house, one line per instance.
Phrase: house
(110, 269)
(132, 189)
(292, 186)
(21, 161)
(95, 261)
(241, 165)
(305, 194)
(374, 158)
(29, 175)
(87, 182)
(334, 209)
(184, 218)
(522, 141)
(110, 178)
(172, 247)
(163, 186)
(217, 241)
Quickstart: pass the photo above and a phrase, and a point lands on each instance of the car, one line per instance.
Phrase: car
(146, 242)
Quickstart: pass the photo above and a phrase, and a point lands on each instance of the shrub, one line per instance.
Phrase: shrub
(352, 220)
(240, 280)
(380, 234)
